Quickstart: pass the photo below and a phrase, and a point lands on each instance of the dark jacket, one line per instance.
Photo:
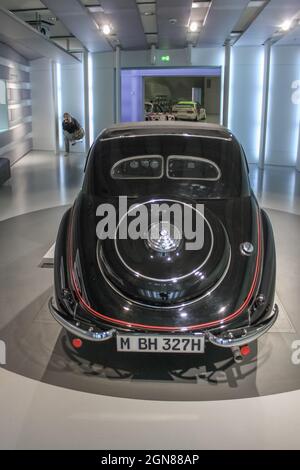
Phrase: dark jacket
(72, 126)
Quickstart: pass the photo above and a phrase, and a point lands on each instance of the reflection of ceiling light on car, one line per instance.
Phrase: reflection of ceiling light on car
(193, 27)
(106, 29)
(286, 25)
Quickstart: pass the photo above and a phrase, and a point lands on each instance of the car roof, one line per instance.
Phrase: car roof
(135, 129)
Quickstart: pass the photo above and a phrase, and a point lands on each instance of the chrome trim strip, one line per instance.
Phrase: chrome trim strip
(242, 336)
(172, 279)
(76, 327)
(185, 157)
(184, 134)
(239, 337)
(79, 277)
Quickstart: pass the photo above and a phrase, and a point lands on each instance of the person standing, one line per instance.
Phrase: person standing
(72, 131)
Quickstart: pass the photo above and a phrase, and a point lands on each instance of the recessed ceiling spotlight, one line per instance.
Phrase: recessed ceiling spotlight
(172, 20)
(286, 25)
(193, 27)
(106, 29)
(148, 13)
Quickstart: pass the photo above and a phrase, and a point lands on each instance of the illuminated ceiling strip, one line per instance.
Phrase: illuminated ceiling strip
(91, 97)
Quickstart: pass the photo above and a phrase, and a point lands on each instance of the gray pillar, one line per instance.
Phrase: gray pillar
(298, 154)
(86, 99)
(226, 84)
(55, 102)
(265, 105)
(153, 54)
(118, 84)
(189, 53)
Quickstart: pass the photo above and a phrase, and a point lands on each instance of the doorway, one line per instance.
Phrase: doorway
(166, 87)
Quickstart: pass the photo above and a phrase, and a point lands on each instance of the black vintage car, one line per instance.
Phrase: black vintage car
(151, 293)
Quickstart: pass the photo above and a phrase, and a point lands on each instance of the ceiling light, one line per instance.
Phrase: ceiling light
(95, 9)
(256, 3)
(193, 27)
(148, 13)
(286, 25)
(106, 29)
(200, 4)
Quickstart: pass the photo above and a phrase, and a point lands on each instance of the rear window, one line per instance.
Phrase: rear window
(192, 168)
(138, 167)
(146, 165)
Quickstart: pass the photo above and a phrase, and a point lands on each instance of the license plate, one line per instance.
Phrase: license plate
(161, 344)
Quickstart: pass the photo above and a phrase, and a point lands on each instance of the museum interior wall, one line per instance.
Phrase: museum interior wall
(283, 113)
(72, 95)
(103, 78)
(244, 105)
(43, 118)
(70, 89)
(245, 101)
(15, 105)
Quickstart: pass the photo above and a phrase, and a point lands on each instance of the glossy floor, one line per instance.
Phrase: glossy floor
(50, 397)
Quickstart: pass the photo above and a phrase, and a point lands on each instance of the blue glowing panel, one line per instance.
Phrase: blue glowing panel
(132, 96)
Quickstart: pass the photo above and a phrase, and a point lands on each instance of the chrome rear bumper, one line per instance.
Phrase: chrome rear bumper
(79, 328)
(241, 336)
(227, 339)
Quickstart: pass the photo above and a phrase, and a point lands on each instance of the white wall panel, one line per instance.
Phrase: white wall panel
(72, 96)
(103, 91)
(208, 56)
(245, 97)
(15, 105)
(43, 116)
(284, 112)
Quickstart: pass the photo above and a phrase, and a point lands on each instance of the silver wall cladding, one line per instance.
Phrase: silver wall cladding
(14, 69)
(15, 95)
(19, 114)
